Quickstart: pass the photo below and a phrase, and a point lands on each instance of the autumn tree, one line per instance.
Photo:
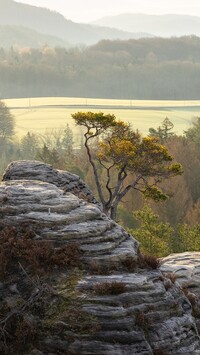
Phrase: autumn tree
(183, 205)
(120, 152)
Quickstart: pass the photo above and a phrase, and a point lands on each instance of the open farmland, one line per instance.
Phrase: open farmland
(41, 114)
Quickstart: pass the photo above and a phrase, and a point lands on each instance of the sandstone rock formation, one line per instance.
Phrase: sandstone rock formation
(36, 170)
(63, 218)
(186, 269)
(108, 304)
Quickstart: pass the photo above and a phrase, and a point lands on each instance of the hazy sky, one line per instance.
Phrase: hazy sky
(89, 10)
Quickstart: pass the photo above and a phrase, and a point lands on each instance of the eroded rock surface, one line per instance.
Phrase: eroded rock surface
(108, 305)
(64, 218)
(36, 170)
(147, 318)
(186, 269)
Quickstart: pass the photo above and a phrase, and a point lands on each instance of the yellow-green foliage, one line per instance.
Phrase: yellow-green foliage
(155, 237)
(189, 237)
(160, 239)
(122, 153)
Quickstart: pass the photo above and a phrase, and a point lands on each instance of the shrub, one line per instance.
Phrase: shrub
(141, 320)
(171, 276)
(155, 237)
(194, 300)
(109, 288)
(146, 261)
(130, 264)
(97, 268)
(36, 256)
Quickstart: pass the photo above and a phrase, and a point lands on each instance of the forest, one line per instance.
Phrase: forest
(152, 68)
(171, 225)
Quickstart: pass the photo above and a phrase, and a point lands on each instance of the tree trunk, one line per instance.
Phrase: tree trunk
(113, 213)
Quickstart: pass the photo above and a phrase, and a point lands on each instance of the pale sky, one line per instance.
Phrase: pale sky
(90, 10)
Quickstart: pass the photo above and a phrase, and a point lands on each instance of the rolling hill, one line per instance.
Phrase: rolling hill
(54, 24)
(20, 36)
(158, 25)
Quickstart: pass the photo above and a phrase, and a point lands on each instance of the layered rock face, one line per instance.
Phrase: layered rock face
(64, 218)
(186, 269)
(106, 305)
(36, 170)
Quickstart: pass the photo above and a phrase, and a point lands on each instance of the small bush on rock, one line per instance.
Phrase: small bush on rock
(36, 256)
(109, 288)
(142, 321)
(146, 261)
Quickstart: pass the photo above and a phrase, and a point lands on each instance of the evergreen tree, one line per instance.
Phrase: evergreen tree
(155, 237)
(163, 132)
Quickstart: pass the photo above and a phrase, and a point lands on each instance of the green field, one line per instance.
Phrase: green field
(41, 114)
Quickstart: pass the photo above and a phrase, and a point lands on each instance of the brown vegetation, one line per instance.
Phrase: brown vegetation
(141, 320)
(148, 262)
(171, 276)
(129, 264)
(194, 300)
(37, 256)
(159, 352)
(109, 288)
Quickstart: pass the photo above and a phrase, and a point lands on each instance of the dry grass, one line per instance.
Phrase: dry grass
(142, 321)
(109, 288)
(96, 268)
(171, 276)
(129, 264)
(190, 296)
(148, 262)
(159, 352)
(37, 256)
(17, 332)
(194, 300)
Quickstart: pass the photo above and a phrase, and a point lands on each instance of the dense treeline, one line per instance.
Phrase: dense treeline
(151, 68)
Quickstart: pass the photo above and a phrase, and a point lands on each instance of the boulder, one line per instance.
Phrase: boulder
(36, 170)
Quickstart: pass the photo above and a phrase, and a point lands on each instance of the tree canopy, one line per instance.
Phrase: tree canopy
(120, 152)
(133, 69)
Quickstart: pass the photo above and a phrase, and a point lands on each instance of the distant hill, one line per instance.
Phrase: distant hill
(20, 36)
(54, 24)
(158, 25)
